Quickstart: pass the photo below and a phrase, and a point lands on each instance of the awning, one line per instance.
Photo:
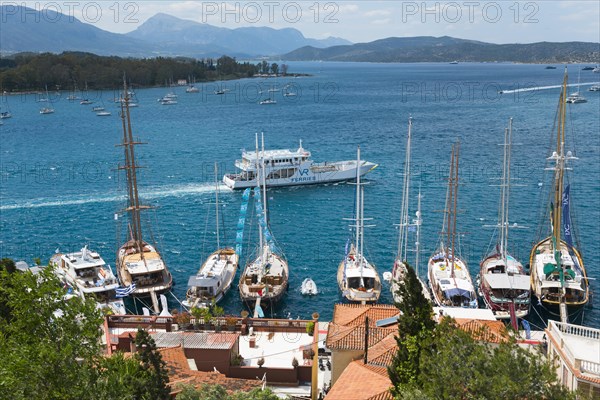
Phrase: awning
(505, 281)
(200, 281)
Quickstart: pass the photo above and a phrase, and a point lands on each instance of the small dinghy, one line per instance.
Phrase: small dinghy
(309, 287)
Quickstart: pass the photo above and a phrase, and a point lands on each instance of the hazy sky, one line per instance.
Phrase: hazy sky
(361, 21)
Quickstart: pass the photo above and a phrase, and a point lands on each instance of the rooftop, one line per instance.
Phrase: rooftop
(277, 348)
(196, 340)
(580, 346)
(347, 330)
(360, 381)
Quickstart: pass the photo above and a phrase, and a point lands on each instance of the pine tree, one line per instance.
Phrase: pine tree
(415, 326)
(152, 361)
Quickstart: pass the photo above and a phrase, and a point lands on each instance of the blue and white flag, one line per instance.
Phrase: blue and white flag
(125, 291)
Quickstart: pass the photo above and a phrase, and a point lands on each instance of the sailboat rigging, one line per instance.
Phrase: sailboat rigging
(503, 284)
(357, 278)
(405, 226)
(139, 264)
(216, 274)
(558, 275)
(265, 278)
(449, 277)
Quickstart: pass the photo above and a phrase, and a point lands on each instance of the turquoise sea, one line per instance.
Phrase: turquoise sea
(60, 188)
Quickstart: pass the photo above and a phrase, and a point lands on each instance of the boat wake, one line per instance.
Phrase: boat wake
(535, 89)
(155, 193)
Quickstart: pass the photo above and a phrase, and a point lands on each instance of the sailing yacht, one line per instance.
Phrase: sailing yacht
(449, 277)
(400, 263)
(216, 274)
(576, 97)
(265, 278)
(558, 275)
(138, 262)
(49, 109)
(88, 276)
(503, 284)
(357, 278)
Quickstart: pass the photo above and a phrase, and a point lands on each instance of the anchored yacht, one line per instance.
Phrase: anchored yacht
(88, 276)
(293, 167)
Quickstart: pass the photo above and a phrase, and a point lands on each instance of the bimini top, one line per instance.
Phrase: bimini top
(505, 281)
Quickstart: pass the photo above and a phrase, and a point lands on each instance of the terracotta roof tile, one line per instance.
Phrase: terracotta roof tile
(483, 330)
(360, 382)
(353, 337)
(382, 353)
(354, 314)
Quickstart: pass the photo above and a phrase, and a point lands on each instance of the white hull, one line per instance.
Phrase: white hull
(398, 273)
(350, 276)
(448, 290)
(213, 280)
(306, 174)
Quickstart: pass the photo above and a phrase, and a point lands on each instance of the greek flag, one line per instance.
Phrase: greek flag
(125, 291)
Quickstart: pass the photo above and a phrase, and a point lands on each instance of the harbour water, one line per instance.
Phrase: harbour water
(60, 188)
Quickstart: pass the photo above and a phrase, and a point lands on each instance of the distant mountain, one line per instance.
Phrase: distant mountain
(189, 36)
(447, 49)
(24, 29)
(55, 32)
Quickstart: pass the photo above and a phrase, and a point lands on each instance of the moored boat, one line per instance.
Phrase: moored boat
(265, 278)
(399, 269)
(216, 274)
(138, 262)
(449, 277)
(357, 278)
(503, 284)
(293, 167)
(89, 277)
(558, 275)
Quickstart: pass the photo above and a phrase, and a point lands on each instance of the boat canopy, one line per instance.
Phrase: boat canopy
(505, 281)
(457, 292)
(201, 281)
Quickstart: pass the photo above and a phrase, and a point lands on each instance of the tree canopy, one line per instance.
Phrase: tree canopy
(50, 347)
(218, 392)
(76, 69)
(441, 361)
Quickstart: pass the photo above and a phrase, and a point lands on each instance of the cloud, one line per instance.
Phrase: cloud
(348, 8)
(384, 21)
(377, 13)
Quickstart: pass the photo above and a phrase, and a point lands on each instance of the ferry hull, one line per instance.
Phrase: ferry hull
(303, 177)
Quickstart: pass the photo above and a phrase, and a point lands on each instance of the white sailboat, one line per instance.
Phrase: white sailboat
(400, 263)
(357, 278)
(265, 278)
(49, 109)
(503, 284)
(214, 278)
(449, 277)
(576, 97)
(139, 264)
(558, 276)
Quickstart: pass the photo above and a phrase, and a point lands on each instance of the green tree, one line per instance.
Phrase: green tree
(456, 366)
(415, 326)
(152, 361)
(47, 344)
(218, 392)
(119, 377)
(274, 69)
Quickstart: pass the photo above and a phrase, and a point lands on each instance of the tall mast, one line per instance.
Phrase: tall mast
(131, 168)
(217, 204)
(362, 230)
(404, 217)
(258, 183)
(560, 163)
(264, 177)
(447, 226)
(505, 192)
(418, 238)
(454, 203)
(358, 211)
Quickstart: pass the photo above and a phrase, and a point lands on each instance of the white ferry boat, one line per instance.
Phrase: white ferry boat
(293, 167)
(88, 276)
